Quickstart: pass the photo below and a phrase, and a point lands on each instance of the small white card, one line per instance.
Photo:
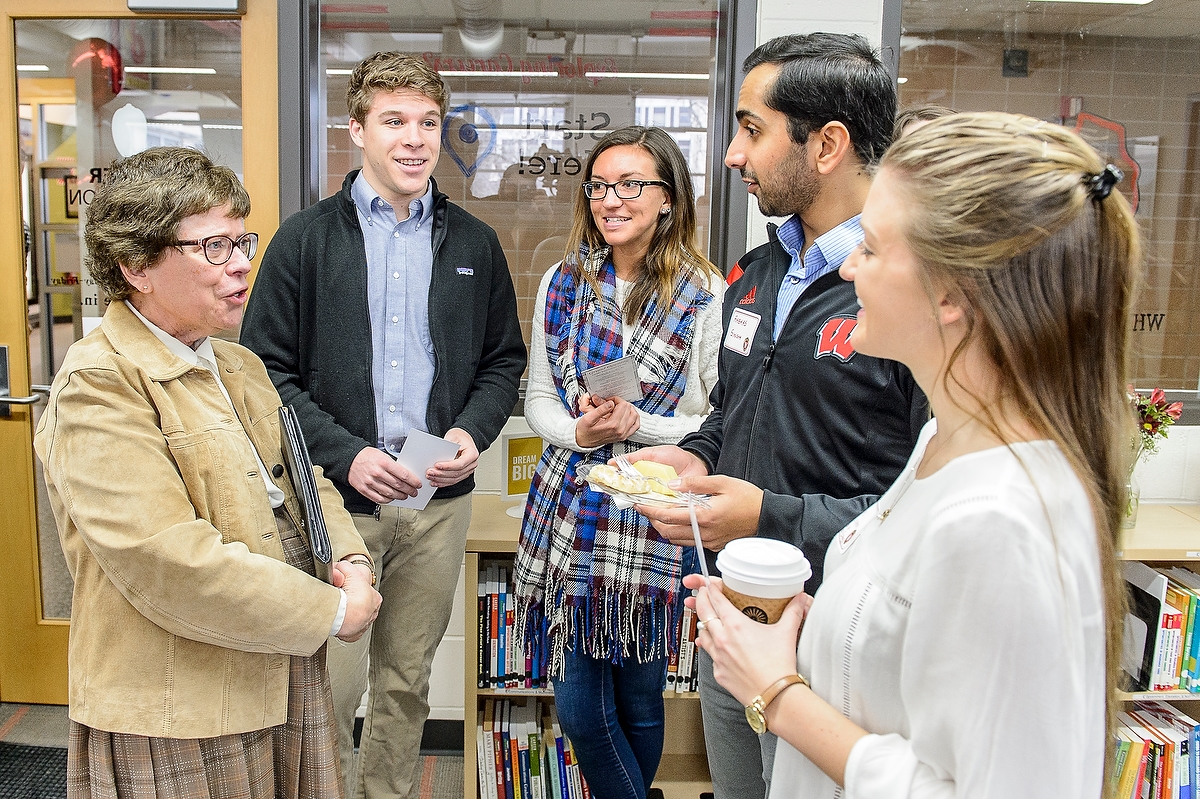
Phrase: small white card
(742, 327)
(419, 453)
(617, 378)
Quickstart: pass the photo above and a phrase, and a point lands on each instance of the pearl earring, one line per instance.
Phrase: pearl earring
(665, 211)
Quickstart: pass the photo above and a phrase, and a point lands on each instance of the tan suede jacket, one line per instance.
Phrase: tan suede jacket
(184, 613)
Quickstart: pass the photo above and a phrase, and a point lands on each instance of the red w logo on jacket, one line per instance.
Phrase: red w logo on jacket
(834, 338)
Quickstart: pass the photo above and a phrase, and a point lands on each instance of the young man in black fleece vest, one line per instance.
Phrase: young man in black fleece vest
(382, 310)
(805, 433)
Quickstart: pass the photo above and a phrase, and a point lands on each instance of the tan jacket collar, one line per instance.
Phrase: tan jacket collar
(135, 341)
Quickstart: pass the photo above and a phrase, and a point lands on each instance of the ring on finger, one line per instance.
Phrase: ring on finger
(700, 625)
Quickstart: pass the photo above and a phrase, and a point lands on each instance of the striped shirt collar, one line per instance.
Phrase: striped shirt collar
(834, 245)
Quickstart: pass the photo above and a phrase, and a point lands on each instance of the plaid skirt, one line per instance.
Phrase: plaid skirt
(295, 760)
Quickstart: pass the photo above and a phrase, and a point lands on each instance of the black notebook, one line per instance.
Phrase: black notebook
(300, 468)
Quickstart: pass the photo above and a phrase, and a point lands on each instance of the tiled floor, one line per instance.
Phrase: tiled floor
(34, 725)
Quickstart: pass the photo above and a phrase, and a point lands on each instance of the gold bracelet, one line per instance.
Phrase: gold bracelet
(362, 561)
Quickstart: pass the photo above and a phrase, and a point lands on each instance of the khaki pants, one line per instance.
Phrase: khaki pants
(418, 555)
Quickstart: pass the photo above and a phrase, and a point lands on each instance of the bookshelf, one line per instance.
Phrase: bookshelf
(493, 535)
(1168, 534)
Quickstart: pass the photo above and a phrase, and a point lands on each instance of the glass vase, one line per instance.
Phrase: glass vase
(1133, 498)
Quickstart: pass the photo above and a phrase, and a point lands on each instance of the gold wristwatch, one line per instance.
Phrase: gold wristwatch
(756, 710)
(362, 561)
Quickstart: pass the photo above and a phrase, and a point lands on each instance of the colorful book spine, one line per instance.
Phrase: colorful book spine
(503, 788)
(537, 786)
(551, 756)
(494, 628)
(482, 637)
(522, 763)
(1170, 626)
(673, 659)
(516, 659)
(506, 743)
(502, 663)
(1177, 599)
(560, 756)
(687, 648)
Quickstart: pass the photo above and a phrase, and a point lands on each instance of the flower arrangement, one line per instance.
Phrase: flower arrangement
(1154, 416)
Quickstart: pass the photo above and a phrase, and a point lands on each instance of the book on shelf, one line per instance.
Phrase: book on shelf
(1175, 781)
(550, 757)
(1154, 628)
(505, 750)
(1177, 599)
(687, 646)
(1151, 783)
(483, 732)
(536, 786)
(506, 663)
(483, 634)
(1185, 732)
(501, 673)
(523, 761)
(1191, 582)
(1132, 771)
(523, 753)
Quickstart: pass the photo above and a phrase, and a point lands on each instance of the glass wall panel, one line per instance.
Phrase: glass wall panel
(90, 90)
(533, 87)
(1128, 78)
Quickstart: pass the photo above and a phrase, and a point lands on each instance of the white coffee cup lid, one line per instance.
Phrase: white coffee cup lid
(764, 566)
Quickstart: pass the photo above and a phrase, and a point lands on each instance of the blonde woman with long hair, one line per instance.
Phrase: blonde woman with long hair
(599, 592)
(964, 641)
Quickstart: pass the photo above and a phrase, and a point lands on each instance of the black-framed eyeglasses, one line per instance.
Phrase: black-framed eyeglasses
(219, 249)
(625, 189)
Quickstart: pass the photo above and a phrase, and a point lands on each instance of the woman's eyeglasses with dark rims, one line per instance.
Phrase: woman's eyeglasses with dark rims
(625, 189)
(219, 249)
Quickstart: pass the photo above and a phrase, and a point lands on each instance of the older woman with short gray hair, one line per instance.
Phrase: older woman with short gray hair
(198, 624)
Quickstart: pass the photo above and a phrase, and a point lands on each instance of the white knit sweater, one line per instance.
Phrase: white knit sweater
(548, 418)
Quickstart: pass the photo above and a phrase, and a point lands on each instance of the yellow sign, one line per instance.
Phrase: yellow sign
(521, 456)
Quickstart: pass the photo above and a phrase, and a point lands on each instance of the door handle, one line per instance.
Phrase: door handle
(39, 393)
(6, 400)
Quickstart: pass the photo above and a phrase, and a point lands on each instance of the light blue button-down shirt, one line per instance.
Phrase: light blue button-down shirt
(826, 254)
(399, 268)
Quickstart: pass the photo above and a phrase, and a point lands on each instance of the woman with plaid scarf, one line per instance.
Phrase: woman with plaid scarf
(598, 590)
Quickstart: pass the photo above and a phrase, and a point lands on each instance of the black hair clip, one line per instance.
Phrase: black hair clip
(1101, 184)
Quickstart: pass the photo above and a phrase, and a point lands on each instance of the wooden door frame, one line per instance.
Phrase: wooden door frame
(33, 665)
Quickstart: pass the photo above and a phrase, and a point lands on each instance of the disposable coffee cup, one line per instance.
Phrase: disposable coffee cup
(761, 576)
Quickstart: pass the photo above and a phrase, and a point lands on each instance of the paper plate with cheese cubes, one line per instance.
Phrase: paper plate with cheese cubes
(645, 484)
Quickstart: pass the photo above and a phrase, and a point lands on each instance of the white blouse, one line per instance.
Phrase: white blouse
(548, 418)
(966, 633)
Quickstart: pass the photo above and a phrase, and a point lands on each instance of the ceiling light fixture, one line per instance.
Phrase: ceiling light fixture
(32, 68)
(650, 75)
(1110, 2)
(171, 70)
(471, 73)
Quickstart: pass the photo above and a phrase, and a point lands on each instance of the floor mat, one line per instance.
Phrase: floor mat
(441, 777)
(32, 772)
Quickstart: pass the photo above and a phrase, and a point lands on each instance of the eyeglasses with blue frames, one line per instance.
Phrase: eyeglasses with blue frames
(219, 249)
(625, 189)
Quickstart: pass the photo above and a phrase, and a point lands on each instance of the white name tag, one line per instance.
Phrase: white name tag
(742, 327)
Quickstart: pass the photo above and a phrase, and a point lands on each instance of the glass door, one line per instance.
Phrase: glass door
(89, 90)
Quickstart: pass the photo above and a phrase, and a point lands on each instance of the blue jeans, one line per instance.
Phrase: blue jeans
(614, 718)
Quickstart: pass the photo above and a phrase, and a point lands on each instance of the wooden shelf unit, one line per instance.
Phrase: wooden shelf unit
(1164, 534)
(493, 535)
